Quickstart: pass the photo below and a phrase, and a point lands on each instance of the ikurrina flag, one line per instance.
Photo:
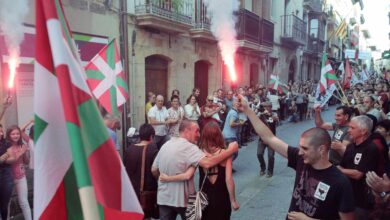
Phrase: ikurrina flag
(106, 78)
(328, 76)
(274, 83)
(78, 173)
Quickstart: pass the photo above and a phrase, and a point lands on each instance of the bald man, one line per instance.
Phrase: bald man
(321, 191)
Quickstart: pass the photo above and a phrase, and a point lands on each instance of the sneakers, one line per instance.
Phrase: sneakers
(269, 175)
(262, 173)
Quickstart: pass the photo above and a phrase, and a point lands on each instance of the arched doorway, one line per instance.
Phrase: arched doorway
(156, 75)
(291, 71)
(201, 72)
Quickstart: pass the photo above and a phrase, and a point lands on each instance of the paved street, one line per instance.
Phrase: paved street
(264, 198)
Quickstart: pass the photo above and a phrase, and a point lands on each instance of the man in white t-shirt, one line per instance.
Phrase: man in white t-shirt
(158, 118)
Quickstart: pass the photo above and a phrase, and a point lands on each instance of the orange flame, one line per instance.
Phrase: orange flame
(229, 61)
(13, 63)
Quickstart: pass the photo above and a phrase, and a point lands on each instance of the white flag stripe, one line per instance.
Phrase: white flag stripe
(108, 81)
(52, 149)
(62, 55)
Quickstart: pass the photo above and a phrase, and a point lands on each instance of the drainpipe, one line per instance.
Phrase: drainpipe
(123, 32)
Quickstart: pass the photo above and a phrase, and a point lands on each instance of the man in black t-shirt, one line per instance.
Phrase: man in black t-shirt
(270, 119)
(320, 191)
(360, 157)
(340, 138)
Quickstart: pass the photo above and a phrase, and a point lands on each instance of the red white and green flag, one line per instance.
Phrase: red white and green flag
(78, 173)
(276, 84)
(328, 76)
(106, 78)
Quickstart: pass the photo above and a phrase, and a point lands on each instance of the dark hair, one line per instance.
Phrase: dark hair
(317, 136)
(175, 97)
(346, 110)
(146, 131)
(8, 135)
(189, 98)
(384, 124)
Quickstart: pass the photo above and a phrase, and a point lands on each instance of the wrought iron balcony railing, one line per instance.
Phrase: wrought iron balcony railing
(294, 29)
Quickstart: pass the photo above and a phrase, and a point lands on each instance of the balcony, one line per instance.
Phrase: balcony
(201, 29)
(313, 5)
(164, 15)
(254, 33)
(314, 47)
(293, 31)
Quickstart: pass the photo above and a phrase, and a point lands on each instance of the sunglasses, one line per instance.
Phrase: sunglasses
(210, 100)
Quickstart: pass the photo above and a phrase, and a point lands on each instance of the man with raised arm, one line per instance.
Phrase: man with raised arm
(340, 137)
(321, 191)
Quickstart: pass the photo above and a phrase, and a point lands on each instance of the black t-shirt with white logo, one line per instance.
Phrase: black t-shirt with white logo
(364, 158)
(320, 194)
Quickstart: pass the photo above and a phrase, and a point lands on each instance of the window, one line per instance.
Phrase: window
(313, 28)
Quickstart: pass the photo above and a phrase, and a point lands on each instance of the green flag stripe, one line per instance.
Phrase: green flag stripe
(113, 101)
(82, 37)
(72, 198)
(95, 74)
(39, 126)
(65, 27)
(331, 76)
(110, 55)
(79, 158)
(101, 211)
(92, 127)
(121, 83)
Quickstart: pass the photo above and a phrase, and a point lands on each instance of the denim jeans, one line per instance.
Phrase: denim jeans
(6, 187)
(260, 156)
(227, 142)
(170, 212)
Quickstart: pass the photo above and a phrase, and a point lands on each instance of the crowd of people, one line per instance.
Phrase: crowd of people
(343, 176)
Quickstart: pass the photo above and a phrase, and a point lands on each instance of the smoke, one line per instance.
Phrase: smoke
(221, 13)
(12, 13)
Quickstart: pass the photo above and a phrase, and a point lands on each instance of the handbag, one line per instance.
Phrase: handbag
(148, 199)
(197, 202)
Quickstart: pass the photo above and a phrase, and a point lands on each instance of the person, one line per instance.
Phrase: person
(369, 103)
(191, 110)
(6, 179)
(210, 112)
(218, 180)
(175, 92)
(175, 116)
(112, 123)
(360, 157)
(270, 119)
(133, 163)
(21, 155)
(229, 100)
(320, 191)
(158, 118)
(381, 189)
(383, 128)
(231, 126)
(340, 138)
(175, 157)
(151, 102)
(29, 139)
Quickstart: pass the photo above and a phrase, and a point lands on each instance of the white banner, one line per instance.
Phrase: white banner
(321, 100)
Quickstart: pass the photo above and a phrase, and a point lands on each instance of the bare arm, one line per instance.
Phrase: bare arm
(298, 216)
(153, 121)
(178, 177)
(25, 137)
(319, 122)
(263, 131)
(208, 162)
(230, 184)
(155, 172)
(351, 173)
(6, 104)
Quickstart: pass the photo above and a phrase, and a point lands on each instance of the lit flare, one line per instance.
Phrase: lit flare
(13, 63)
